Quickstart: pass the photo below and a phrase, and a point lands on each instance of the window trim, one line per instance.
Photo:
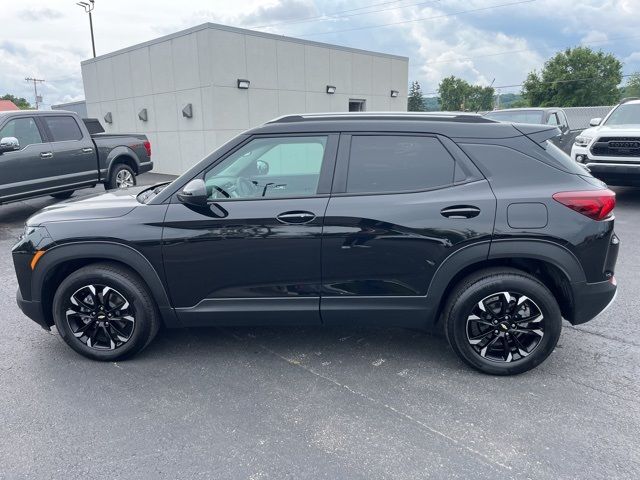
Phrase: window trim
(326, 170)
(38, 126)
(344, 157)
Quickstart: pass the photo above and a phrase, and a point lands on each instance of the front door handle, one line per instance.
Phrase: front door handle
(87, 150)
(296, 217)
(460, 211)
(46, 155)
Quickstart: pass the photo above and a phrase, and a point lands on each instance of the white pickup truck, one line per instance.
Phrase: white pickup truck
(611, 147)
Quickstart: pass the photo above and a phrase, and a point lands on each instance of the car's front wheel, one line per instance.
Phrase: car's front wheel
(105, 312)
(502, 321)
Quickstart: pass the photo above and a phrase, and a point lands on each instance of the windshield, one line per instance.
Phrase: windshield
(627, 114)
(519, 116)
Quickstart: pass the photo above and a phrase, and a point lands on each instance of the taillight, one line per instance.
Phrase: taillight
(147, 147)
(595, 204)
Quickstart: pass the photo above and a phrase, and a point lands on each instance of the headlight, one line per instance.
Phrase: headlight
(582, 141)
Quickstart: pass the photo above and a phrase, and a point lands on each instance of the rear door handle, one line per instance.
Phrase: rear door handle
(46, 155)
(460, 211)
(296, 217)
(87, 150)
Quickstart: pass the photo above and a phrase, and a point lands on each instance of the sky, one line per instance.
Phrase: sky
(482, 41)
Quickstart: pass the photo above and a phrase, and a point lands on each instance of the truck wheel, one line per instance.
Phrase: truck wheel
(122, 176)
(502, 321)
(63, 195)
(105, 312)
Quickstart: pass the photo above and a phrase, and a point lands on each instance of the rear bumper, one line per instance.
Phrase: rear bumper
(591, 299)
(33, 310)
(145, 167)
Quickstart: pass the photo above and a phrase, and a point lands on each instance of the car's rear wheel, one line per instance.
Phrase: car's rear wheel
(105, 312)
(122, 176)
(502, 321)
(63, 195)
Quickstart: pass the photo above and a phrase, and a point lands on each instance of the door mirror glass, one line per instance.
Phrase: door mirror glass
(194, 193)
(595, 121)
(9, 144)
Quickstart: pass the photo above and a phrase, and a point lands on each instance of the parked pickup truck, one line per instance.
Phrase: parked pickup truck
(53, 153)
(540, 116)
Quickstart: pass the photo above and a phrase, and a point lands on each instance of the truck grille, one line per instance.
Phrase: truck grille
(617, 147)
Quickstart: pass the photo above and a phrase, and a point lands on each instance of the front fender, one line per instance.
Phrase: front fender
(104, 251)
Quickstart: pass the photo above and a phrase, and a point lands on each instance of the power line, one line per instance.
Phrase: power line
(547, 82)
(340, 15)
(418, 19)
(304, 19)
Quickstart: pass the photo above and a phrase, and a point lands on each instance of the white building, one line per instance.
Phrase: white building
(185, 90)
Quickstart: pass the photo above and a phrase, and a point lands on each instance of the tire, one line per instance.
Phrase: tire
(88, 329)
(63, 195)
(528, 306)
(121, 176)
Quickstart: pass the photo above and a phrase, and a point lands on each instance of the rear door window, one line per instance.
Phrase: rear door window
(397, 163)
(63, 128)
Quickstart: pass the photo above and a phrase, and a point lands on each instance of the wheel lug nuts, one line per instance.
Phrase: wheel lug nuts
(513, 325)
(495, 322)
(496, 332)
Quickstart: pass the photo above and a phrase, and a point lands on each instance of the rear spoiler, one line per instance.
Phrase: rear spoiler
(538, 133)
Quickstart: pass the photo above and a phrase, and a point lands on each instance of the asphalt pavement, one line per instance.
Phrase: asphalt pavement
(313, 403)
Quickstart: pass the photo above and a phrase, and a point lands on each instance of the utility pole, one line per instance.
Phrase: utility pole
(88, 8)
(35, 89)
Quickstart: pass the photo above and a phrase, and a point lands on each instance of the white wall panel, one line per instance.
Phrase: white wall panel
(262, 64)
(381, 76)
(194, 97)
(361, 71)
(400, 76)
(106, 79)
(318, 102)
(291, 102)
(166, 112)
(317, 68)
(231, 108)
(145, 102)
(205, 57)
(166, 154)
(123, 81)
(160, 60)
(291, 74)
(186, 73)
(228, 57)
(141, 72)
(90, 83)
(263, 106)
(191, 149)
(126, 116)
(341, 70)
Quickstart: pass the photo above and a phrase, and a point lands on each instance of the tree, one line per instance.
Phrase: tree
(632, 88)
(21, 103)
(416, 100)
(577, 77)
(457, 94)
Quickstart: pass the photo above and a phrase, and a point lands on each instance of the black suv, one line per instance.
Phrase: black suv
(484, 229)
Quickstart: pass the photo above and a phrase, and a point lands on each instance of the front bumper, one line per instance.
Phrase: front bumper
(591, 299)
(624, 171)
(33, 310)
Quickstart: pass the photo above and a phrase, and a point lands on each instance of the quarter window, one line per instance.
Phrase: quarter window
(24, 129)
(379, 164)
(63, 128)
(269, 168)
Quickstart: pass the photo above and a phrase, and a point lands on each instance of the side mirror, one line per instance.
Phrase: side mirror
(262, 167)
(594, 122)
(194, 193)
(9, 144)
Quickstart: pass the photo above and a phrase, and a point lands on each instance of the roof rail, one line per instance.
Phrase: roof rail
(459, 117)
(628, 99)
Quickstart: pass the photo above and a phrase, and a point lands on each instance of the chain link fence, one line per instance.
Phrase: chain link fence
(578, 117)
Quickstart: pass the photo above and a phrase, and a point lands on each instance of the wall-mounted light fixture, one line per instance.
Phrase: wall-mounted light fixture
(243, 83)
(108, 118)
(142, 115)
(331, 89)
(187, 111)
(394, 93)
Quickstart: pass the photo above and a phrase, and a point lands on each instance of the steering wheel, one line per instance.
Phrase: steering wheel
(230, 187)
